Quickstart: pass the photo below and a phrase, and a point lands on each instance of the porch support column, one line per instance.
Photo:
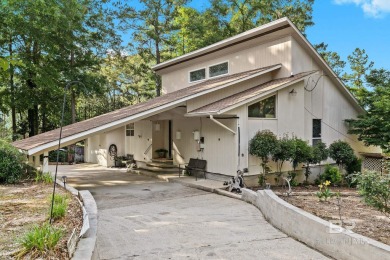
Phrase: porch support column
(45, 166)
(31, 160)
(37, 162)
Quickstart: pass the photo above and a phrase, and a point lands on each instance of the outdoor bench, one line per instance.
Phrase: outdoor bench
(194, 166)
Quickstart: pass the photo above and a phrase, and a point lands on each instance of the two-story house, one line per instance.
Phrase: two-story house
(214, 101)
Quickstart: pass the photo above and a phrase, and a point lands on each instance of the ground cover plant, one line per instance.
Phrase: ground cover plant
(25, 206)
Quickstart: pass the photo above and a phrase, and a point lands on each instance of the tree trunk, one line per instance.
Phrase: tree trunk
(73, 105)
(12, 86)
(158, 60)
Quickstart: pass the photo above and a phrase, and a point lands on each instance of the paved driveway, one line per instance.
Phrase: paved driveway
(144, 218)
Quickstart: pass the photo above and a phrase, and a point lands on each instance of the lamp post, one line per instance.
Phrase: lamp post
(59, 144)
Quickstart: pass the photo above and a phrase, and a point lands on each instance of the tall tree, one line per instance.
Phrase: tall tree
(237, 16)
(360, 68)
(57, 41)
(152, 25)
(373, 128)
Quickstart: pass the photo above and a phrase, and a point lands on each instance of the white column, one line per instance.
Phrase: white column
(45, 167)
(37, 163)
(30, 160)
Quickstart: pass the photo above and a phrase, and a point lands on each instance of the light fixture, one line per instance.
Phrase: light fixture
(157, 126)
(293, 92)
(178, 135)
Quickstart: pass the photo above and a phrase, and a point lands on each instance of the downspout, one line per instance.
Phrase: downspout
(220, 124)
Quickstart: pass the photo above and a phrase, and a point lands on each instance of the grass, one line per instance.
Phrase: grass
(60, 206)
(44, 177)
(40, 239)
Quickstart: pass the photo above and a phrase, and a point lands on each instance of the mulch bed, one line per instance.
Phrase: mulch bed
(26, 204)
(355, 214)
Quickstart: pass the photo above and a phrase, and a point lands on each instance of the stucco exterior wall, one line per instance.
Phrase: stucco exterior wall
(141, 140)
(253, 57)
(97, 146)
(220, 149)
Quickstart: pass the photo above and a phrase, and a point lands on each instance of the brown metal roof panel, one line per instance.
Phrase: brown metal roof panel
(79, 127)
(247, 94)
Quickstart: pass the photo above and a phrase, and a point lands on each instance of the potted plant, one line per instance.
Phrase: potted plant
(161, 152)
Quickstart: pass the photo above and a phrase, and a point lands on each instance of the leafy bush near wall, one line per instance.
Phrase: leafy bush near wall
(341, 152)
(331, 174)
(12, 163)
(375, 189)
(263, 145)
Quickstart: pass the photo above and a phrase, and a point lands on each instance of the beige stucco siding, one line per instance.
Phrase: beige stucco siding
(262, 55)
(97, 146)
(220, 149)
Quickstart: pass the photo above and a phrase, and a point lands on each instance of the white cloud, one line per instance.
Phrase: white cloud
(374, 8)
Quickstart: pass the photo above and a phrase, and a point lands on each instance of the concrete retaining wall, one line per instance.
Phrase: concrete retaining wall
(86, 247)
(317, 233)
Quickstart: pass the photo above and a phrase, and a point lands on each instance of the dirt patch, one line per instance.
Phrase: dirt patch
(26, 204)
(355, 214)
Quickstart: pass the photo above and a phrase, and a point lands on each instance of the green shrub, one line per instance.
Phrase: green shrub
(44, 177)
(40, 238)
(354, 167)
(375, 190)
(331, 174)
(341, 152)
(12, 163)
(263, 145)
(60, 206)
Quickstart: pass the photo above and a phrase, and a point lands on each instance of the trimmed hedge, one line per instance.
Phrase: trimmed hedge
(12, 163)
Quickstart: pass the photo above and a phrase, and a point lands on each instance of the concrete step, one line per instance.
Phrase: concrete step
(160, 165)
(163, 161)
(159, 169)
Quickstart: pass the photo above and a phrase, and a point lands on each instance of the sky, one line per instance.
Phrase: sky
(348, 24)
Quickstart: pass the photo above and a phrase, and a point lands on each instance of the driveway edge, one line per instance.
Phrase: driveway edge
(86, 246)
(315, 232)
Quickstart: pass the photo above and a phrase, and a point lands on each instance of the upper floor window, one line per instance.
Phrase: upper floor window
(197, 75)
(265, 108)
(219, 69)
(130, 129)
(316, 131)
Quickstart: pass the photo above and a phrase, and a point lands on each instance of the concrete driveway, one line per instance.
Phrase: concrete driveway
(141, 217)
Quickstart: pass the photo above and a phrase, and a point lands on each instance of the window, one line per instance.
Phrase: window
(263, 109)
(197, 75)
(316, 131)
(218, 69)
(130, 129)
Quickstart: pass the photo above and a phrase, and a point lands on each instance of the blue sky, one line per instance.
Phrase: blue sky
(347, 24)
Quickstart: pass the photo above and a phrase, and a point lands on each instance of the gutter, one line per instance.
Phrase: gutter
(220, 124)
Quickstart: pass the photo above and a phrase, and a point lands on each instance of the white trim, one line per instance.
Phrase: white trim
(220, 124)
(144, 114)
(219, 63)
(199, 80)
(241, 36)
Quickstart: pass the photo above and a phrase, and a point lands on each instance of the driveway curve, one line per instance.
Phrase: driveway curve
(141, 217)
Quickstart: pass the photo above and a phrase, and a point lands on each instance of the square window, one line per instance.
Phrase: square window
(130, 129)
(265, 108)
(197, 75)
(218, 69)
